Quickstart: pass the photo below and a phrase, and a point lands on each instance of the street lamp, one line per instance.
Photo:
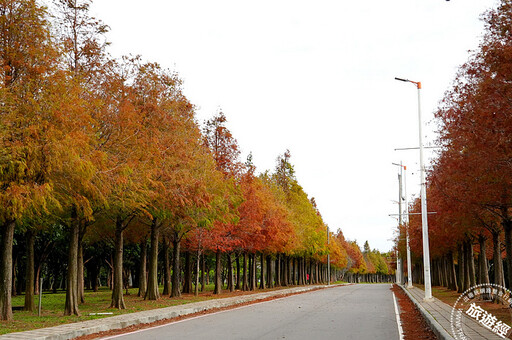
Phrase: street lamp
(409, 264)
(400, 222)
(424, 220)
(402, 196)
(402, 178)
(328, 260)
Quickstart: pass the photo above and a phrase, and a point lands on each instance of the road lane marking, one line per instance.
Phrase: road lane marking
(400, 331)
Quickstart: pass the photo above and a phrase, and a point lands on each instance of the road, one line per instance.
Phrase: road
(364, 311)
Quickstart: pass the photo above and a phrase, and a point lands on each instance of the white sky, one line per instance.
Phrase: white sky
(315, 77)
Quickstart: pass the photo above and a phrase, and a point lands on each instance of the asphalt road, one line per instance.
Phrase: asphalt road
(364, 311)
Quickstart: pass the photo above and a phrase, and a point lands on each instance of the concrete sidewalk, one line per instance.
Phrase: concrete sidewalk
(73, 330)
(437, 315)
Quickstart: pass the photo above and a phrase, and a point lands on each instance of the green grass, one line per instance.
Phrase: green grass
(96, 302)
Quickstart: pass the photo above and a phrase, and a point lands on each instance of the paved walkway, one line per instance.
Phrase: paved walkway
(437, 314)
(73, 330)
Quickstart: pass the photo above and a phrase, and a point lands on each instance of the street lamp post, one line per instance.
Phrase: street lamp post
(424, 220)
(409, 264)
(403, 218)
(399, 260)
(328, 260)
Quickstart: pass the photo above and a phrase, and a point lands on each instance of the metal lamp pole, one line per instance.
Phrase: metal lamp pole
(409, 265)
(328, 260)
(424, 220)
(400, 221)
(404, 218)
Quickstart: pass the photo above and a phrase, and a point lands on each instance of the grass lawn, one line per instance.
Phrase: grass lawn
(98, 302)
(95, 302)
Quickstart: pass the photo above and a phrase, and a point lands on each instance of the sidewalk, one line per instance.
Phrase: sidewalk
(437, 315)
(73, 330)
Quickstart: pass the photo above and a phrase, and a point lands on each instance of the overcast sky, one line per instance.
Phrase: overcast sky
(314, 77)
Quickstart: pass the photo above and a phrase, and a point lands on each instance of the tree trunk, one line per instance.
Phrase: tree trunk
(497, 260)
(117, 291)
(461, 266)
(207, 274)
(482, 262)
(278, 270)
(167, 266)
(299, 271)
(286, 265)
(231, 284)
(218, 272)
(316, 277)
(15, 281)
(142, 267)
(291, 270)
(251, 285)
(467, 274)
(237, 260)
(29, 272)
(198, 258)
(253, 272)
(56, 271)
(176, 266)
(6, 270)
(269, 272)
(322, 277)
(446, 272)
(310, 270)
(262, 273)
(433, 272)
(95, 273)
(80, 272)
(304, 270)
(471, 256)
(71, 305)
(507, 227)
(203, 273)
(441, 272)
(294, 270)
(152, 292)
(453, 275)
(127, 273)
(245, 283)
(187, 283)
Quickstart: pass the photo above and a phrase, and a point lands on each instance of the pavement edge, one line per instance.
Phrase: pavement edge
(436, 327)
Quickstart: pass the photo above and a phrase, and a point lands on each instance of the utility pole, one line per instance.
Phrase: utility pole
(424, 218)
(399, 260)
(403, 217)
(399, 265)
(409, 264)
(328, 260)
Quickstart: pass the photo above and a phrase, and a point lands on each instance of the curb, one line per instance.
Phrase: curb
(77, 329)
(436, 327)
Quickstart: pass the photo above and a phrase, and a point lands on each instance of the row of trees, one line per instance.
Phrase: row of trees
(95, 148)
(470, 183)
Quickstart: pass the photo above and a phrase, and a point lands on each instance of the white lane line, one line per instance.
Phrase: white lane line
(400, 330)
